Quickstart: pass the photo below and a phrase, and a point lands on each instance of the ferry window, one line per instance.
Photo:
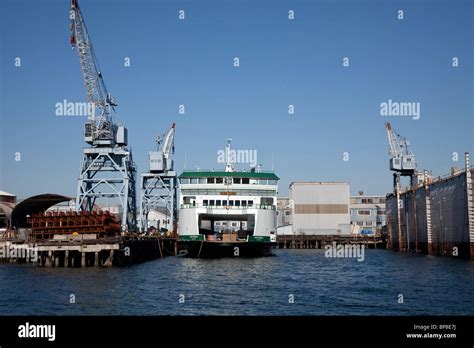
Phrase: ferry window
(262, 181)
(218, 202)
(234, 224)
(236, 180)
(363, 212)
(205, 202)
(237, 203)
(272, 182)
(224, 202)
(360, 223)
(185, 180)
(188, 199)
(266, 201)
(211, 202)
(224, 224)
(194, 180)
(368, 223)
(218, 223)
(219, 180)
(210, 180)
(250, 203)
(244, 203)
(380, 212)
(231, 203)
(287, 212)
(245, 180)
(202, 180)
(367, 201)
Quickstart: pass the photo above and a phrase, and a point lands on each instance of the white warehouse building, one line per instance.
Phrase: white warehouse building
(320, 208)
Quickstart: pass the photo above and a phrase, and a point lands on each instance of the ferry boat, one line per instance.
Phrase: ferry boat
(228, 213)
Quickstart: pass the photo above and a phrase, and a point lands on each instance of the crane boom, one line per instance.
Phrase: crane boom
(169, 140)
(394, 145)
(100, 125)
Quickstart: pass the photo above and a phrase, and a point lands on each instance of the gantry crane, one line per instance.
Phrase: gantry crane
(107, 168)
(402, 163)
(158, 185)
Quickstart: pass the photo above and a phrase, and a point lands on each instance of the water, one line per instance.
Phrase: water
(260, 286)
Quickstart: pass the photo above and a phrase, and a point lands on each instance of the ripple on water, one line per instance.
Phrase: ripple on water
(260, 286)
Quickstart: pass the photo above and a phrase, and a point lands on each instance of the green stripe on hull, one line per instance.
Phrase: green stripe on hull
(259, 239)
(191, 237)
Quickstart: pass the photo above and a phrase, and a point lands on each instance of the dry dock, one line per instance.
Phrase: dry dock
(436, 217)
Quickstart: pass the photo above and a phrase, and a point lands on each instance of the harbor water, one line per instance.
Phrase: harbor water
(293, 282)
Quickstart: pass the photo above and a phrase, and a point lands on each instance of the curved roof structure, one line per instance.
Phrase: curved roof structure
(6, 209)
(34, 205)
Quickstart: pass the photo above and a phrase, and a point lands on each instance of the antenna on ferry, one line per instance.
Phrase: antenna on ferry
(228, 166)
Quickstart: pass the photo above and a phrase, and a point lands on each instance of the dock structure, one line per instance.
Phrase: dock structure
(436, 217)
(300, 241)
(82, 239)
(106, 252)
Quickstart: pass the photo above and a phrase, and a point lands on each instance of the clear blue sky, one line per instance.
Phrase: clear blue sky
(282, 62)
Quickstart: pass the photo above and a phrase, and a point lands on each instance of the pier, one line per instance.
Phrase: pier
(320, 241)
(106, 252)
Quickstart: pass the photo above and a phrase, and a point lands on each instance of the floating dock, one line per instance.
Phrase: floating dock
(436, 217)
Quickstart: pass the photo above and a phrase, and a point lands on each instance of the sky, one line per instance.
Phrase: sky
(282, 62)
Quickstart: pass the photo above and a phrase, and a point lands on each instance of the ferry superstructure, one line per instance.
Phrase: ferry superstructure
(228, 213)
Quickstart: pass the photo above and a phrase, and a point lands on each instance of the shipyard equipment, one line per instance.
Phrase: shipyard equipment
(107, 167)
(402, 163)
(158, 185)
(403, 160)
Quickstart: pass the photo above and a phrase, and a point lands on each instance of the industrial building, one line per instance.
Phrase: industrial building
(435, 217)
(320, 208)
(368, 214)
(284, 211)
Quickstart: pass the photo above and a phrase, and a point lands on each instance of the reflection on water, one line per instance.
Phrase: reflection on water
(259, 286)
